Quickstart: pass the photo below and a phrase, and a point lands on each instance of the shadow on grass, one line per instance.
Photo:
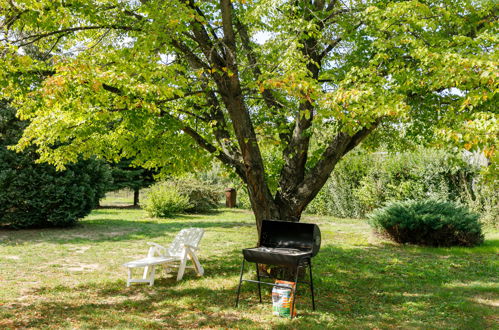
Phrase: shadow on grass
(397, 283)
(168, 304)
(355, 288)
(163, 306)
(100, 230)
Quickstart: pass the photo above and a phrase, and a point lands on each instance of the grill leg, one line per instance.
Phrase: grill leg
(240, 282)
(294, 292)
(259, 286)
(311, 284)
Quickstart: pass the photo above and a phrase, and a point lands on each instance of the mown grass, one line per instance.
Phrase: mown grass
(73, 278)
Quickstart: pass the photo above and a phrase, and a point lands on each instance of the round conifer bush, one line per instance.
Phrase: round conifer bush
(428, 222)
(36, 195)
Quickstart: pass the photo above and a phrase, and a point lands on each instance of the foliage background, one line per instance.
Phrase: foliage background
(140, 79)
(363, 181)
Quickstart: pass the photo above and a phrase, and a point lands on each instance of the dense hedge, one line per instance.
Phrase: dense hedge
(362, 182)
(36, 195)
(182, 195)
(428, 222)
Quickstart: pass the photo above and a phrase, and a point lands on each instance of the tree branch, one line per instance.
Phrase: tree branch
(336, 41)
(35, 37)
(337, 148)
(222, 156)
(202, 37)
(267, 95)
(192, 58)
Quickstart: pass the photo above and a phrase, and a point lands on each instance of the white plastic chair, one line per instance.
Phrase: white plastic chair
(183, 247)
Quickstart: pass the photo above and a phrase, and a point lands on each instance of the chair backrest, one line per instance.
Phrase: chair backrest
(190, 236)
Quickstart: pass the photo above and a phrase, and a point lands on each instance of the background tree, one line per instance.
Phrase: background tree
(162, 80)
(36, 195)
(125, 175)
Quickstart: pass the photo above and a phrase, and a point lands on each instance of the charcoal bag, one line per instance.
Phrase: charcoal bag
(282, 299)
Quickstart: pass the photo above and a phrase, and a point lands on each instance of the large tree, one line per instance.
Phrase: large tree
(162, 80)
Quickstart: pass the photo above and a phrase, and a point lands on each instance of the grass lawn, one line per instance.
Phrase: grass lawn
(73, 278)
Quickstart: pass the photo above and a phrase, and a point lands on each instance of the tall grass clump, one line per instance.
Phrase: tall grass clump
(428, 222)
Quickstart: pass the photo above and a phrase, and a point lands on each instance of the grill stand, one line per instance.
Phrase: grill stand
(302, 263)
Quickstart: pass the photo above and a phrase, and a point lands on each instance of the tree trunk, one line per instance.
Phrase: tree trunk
(136, 194)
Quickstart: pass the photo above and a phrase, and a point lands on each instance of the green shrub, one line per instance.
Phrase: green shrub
(337, 196)
(182, 196)
(243, 200)
(428, 222)
(164, 200)
(486, 201)
(362, 181)
(202, 196)
(36, 195)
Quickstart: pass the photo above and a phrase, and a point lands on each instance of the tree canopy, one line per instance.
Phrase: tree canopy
(277, 90)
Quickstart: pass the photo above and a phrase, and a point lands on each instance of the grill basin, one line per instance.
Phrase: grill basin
(285, 243)
(275, 256)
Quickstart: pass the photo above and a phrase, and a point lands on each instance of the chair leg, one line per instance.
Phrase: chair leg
(294, 292)
(240, 282)
(129, 277)
(311, 284)
(146, 272)
(181, 268)
(197, 265)
(151, 276)
(259, 286)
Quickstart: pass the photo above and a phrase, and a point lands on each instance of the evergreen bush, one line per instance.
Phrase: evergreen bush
(428, 222)
(36, 195)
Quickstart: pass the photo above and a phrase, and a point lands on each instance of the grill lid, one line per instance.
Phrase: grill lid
(291, 235)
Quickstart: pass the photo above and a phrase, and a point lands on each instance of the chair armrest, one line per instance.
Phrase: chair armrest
(156, 244)
(159, 247)
(191, 247)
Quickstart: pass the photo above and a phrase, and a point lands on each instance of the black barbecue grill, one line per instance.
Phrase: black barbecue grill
(282, 243)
